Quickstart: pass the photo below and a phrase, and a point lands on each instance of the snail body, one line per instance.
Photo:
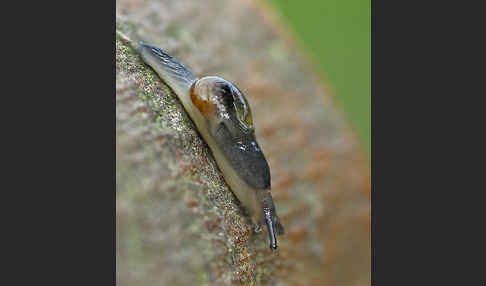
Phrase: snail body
(222, 116)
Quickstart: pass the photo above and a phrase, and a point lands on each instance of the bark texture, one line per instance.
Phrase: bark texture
(178, 223)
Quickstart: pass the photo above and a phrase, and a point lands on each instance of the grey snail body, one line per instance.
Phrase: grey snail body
(222, 116)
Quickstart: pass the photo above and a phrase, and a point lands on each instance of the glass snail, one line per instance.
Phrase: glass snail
(223, 117)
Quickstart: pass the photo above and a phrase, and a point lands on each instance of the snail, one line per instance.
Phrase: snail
(223, 118)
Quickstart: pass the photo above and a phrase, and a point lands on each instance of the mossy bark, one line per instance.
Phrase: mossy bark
(178, 223)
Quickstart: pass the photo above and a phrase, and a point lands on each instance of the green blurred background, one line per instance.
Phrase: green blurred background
(337, 34)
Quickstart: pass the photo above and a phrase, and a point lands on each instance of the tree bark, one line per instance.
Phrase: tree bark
(178, 223)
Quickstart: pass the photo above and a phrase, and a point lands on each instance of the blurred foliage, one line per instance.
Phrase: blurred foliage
(337, 33)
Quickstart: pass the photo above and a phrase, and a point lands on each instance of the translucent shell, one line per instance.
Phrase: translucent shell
(214, 96)
(243, 110)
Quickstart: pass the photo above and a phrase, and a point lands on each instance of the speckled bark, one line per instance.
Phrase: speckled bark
(178, 223)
